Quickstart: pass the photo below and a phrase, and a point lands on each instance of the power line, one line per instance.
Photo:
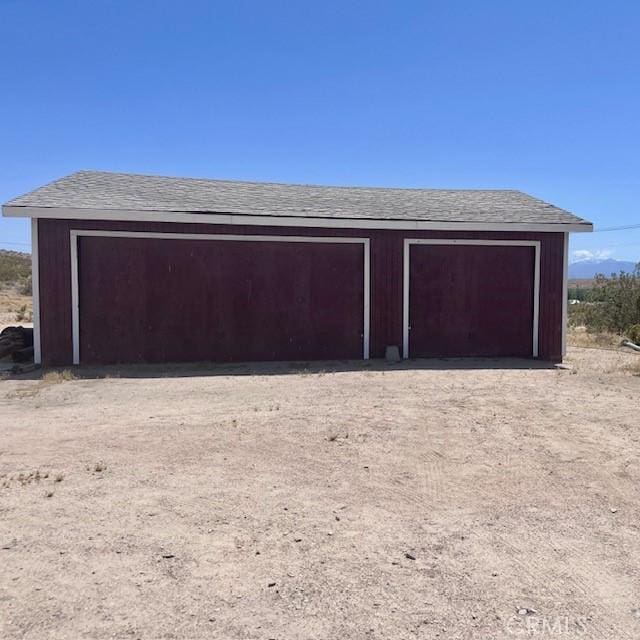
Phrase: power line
(623, 228)
(16, 244)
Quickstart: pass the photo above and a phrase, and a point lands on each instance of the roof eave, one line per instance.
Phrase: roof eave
(124, 215)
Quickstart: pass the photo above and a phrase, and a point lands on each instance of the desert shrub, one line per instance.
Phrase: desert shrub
(578, 293)
(25, 287)
(578, 315)
(613, 304)
(24, 315)
(633, 333)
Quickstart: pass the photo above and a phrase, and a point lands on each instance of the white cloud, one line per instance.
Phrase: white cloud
(582, 255)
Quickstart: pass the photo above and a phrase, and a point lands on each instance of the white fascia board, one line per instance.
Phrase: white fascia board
(122, 215)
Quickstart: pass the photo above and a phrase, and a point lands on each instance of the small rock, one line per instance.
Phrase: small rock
(271, 584)
(613, 510)
(392, 354)
(408, 556)
(168, 555)
(525, 611)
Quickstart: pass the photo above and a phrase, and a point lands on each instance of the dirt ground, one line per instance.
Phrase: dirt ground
(444, 499)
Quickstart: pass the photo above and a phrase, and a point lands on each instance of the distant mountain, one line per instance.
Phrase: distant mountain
(586, 269)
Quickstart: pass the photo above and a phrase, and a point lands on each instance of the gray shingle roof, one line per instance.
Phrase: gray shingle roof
(117, 191)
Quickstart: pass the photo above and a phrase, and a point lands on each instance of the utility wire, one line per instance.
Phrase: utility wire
(623, 228)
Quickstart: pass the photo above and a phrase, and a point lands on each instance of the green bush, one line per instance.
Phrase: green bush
(578, 293)
(613, 304)
(633, 333)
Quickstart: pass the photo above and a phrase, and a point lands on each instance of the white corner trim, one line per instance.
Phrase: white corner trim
(406, 327)
(75, 308)
(75, 234)
(367, 299)
(565, 293)
(35, 292)
(405, 299)
(277, 220)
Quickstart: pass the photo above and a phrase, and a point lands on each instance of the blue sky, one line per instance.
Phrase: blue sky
(540, 96)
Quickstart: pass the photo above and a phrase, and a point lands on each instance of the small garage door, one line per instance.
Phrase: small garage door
(149, 299)
(471, 300)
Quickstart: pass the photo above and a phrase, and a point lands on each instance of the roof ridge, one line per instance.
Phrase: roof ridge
(285, 184)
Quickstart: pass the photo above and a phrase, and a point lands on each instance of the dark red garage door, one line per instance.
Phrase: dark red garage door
(172, 300)
(471, 300)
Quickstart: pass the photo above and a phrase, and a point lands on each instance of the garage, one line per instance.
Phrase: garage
(131, 269)
(180, 298)
(471, 298)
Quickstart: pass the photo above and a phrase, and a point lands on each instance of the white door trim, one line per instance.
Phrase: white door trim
(462, 241)
(78, 233)
(35, 291)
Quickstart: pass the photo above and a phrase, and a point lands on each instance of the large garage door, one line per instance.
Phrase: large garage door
(152, 299)
(470, 299)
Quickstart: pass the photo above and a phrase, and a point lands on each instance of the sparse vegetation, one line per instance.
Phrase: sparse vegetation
(15, 287)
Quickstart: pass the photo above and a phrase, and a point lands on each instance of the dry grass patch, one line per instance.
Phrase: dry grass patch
(56, 377)
(49, 379)
(580, 337)
(633, 367)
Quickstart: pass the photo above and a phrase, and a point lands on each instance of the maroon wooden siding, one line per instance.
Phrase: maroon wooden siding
(471, 300)
(218, 300)
(386, 277)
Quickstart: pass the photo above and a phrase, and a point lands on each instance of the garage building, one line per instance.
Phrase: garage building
(130, 268)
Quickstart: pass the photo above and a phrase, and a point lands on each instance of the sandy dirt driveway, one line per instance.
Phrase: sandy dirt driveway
(448, 500)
